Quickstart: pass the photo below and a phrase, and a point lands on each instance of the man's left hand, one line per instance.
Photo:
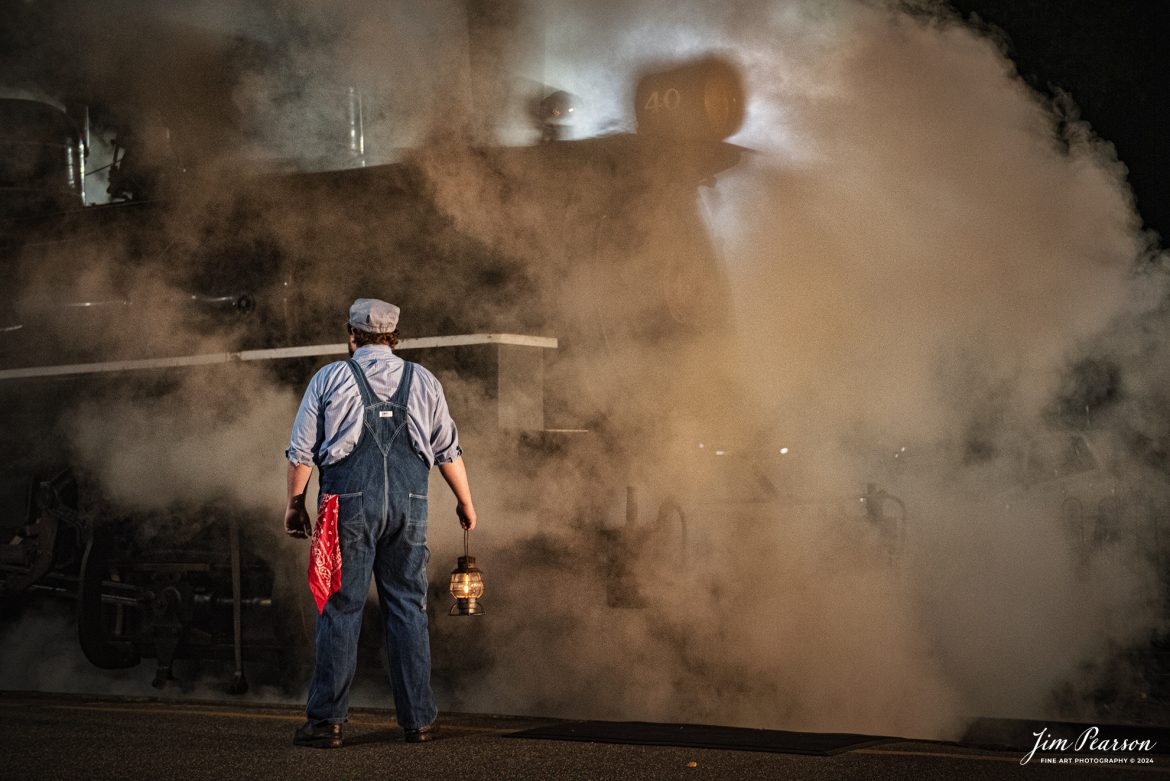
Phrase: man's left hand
(466, 514)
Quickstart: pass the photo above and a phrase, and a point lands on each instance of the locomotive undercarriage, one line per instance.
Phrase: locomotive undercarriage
(205, 595)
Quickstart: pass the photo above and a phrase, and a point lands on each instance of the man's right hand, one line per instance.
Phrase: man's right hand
(466, 513)
(297, 522)
(296, 517)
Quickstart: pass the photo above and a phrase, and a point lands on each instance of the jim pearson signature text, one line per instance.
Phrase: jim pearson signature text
(1089, 740)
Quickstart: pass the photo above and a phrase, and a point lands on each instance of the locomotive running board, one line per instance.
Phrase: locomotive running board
(278, 353)
(520, 368)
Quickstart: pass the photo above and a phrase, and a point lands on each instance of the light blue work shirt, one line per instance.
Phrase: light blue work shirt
(329, 420)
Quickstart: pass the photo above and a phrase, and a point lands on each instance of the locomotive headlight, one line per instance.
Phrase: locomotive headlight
(466, 585)
(558, 107)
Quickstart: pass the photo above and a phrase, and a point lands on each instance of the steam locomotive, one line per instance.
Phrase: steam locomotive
(597, 242)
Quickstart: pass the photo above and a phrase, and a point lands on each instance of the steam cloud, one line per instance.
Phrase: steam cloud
(916, 251)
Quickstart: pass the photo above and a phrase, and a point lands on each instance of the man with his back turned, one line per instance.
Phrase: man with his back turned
(373, 425)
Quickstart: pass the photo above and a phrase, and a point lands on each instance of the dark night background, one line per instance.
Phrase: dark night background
(1111, 58)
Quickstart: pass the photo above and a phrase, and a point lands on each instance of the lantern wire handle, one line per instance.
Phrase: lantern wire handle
(465, 532)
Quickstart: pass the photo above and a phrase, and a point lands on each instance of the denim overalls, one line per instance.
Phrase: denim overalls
(382, 525)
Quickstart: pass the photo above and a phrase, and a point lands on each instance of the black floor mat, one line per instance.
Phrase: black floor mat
(702, 736)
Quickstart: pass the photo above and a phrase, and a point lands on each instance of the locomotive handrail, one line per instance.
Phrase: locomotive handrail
(276, 353)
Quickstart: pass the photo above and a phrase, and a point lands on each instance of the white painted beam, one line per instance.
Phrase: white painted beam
(304, 351)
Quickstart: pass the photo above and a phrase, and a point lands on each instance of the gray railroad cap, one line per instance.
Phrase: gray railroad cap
(374, 316)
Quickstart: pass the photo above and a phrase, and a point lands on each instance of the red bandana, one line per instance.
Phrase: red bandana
(325, 553)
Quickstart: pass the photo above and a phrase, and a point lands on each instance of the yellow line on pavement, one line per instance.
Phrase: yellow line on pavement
(238, 714)
(186, 712)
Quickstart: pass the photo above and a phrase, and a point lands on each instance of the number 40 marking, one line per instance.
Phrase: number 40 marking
(669, 100)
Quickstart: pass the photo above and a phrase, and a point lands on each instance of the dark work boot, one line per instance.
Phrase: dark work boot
(422, 734)
(320, 736)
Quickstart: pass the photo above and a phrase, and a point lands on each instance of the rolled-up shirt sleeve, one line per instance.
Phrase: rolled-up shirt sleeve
(444, 435)
(308, 429)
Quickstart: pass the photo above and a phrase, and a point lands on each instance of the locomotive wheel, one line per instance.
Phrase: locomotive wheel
(92, 618)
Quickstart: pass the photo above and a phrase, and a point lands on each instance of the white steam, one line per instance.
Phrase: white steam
(916, 252)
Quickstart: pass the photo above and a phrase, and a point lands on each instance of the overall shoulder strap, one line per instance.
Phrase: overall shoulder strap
(403, 391)
(368, 397)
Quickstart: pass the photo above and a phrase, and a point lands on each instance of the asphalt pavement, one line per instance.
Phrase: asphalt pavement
(45, 736)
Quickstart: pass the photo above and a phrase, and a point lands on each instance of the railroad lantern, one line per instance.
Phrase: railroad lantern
(466, 585)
